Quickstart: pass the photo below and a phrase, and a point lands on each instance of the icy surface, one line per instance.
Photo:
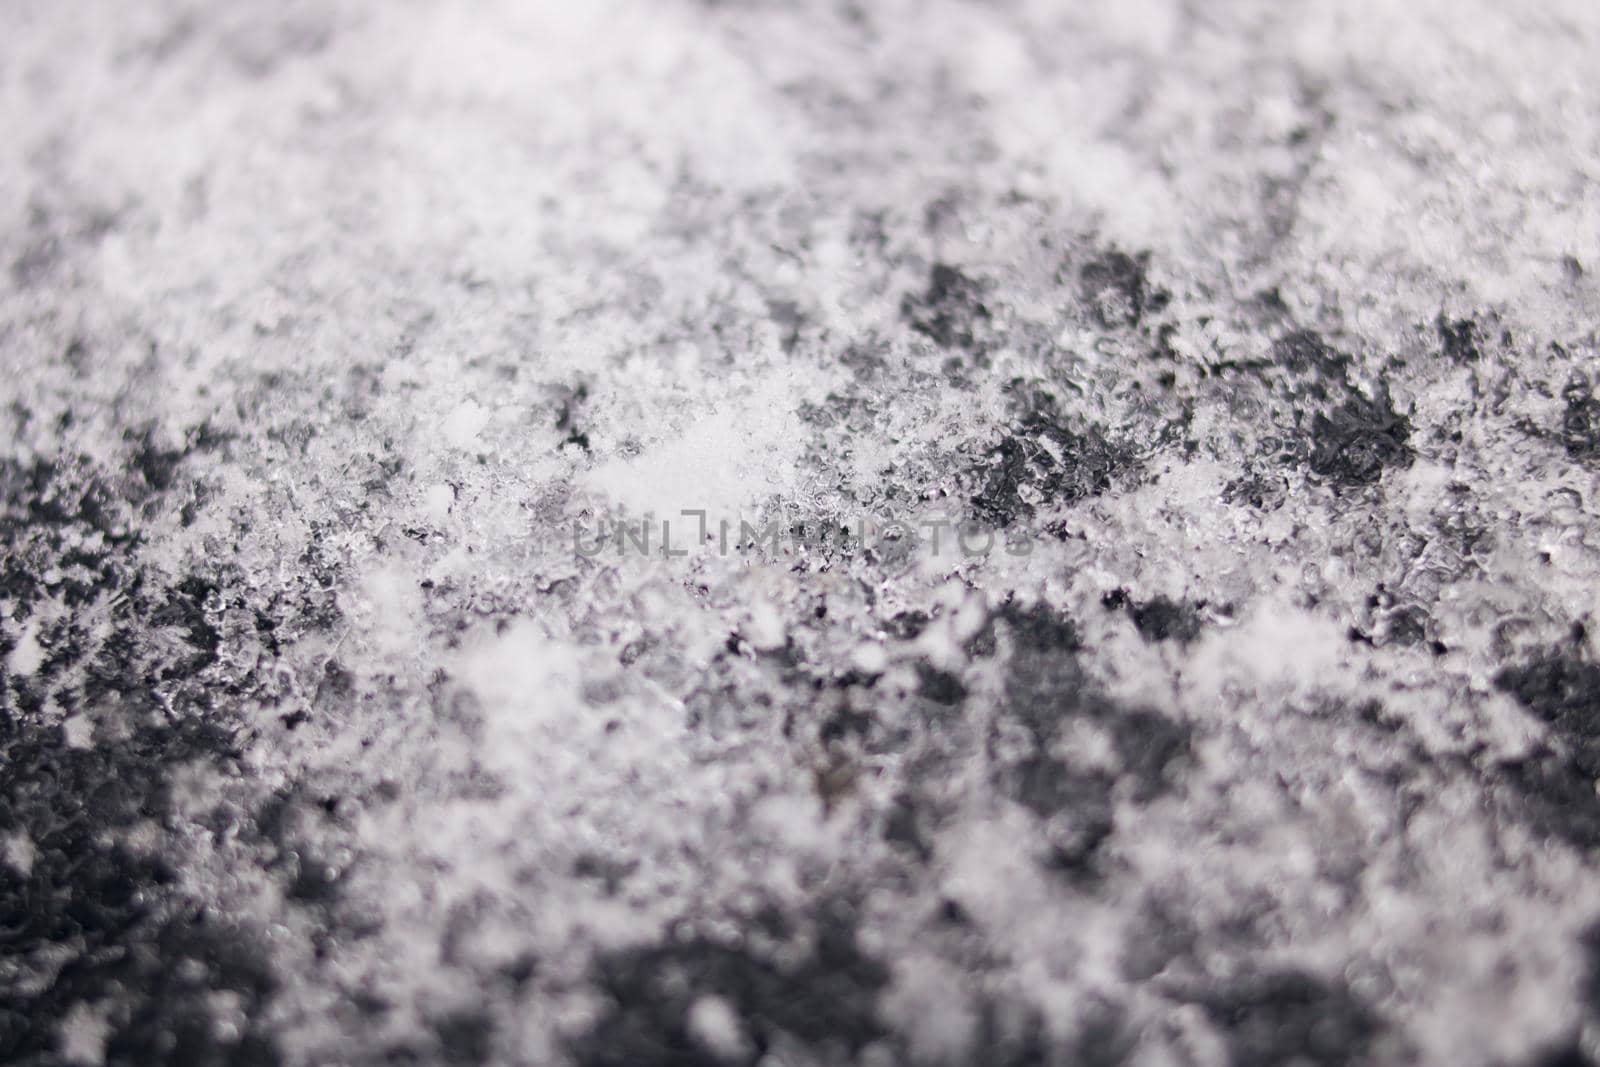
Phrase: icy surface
(359, 709)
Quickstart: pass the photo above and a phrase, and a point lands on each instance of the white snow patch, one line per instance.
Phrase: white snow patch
(1279, 646)
(715, 1026)
(81, 1037)
(28, 655)
(929, 1004)
(765, 629)
(394, 608)
(869, 657)
(723, 464)
(463, 425)
(796, 821)
(78, 731)
(437, 500)
(18, 851)
(528, 686)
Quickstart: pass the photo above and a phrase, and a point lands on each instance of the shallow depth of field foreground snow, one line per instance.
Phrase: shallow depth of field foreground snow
(1130, 582)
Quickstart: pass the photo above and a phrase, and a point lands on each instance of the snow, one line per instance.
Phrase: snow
(335, 333)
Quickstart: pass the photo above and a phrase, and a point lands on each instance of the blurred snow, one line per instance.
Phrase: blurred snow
(1258, 339)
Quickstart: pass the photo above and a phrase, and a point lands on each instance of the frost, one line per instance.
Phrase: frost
(1255, 344)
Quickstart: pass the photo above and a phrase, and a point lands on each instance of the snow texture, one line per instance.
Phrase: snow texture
(641, 532)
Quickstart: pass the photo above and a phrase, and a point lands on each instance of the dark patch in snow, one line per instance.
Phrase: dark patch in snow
(1461, 340)
(821, 993)
(154, 957)
(1117, 290)
(1556, 782)
(567, 418)
(950, 312)
(465, 1037)
(1161, 619)
(1043, 464)
(1291, 1017)
(1564, 691)
(1264, 492)
(58, 516)
(1047, 695)
(1040, 628)
(1580, 420)
(1359, 440)
(939, 686)
(907, 625)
